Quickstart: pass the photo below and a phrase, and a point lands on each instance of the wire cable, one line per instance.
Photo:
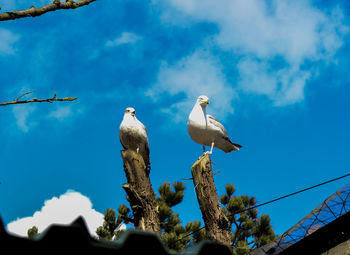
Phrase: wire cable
(297, 192)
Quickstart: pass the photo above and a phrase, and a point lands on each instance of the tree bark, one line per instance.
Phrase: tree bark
(35, 100)
(217, 225)
(34, 12)
(140, 192)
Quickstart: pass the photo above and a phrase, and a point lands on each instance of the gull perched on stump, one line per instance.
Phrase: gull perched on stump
(133, 135)
(208, 131)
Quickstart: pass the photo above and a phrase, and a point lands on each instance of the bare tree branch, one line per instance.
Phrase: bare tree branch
(24, 95)
(33, 12)
(35, 100)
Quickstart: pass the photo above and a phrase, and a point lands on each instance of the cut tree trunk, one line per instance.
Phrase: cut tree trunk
(217, 226)
(139, 190)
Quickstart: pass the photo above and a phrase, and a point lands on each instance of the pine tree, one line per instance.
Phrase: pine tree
(109, 228)
(32, 232)
(175, 236)
(249, 230)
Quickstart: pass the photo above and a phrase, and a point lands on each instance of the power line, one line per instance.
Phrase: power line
(274, 200)
(297, 192)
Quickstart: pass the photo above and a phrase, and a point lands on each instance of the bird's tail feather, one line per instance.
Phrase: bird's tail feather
(236, 146)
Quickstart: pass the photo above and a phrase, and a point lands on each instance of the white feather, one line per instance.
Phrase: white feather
(205, 129)
(133, 135)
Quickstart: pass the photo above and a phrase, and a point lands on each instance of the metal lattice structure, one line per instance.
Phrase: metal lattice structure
(332, 208)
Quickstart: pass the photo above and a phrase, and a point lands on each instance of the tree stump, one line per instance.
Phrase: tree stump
(217, 225)
(140, 192)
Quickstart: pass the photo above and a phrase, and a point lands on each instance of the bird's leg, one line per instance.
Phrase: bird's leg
(137, 149)
(211, 149)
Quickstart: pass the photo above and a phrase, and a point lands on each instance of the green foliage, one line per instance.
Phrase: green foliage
(174, 235)
(248, 230)
(123, 214)
(167, 199)
(230, 189)
(198, 234)
(32, 232)
(171, 198)
(108, 230)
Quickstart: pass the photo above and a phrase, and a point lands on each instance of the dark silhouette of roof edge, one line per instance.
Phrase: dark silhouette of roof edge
(75, 238)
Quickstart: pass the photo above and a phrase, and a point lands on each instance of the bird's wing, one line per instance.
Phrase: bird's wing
(147, 155)
(121, 134)
(143, 130)
(122, 144)
(145, 138)
(217, 124)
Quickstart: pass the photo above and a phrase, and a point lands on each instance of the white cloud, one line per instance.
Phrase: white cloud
(8, 39)
(60, 210)
(293, 29)
(190, 77)
(67, 112)
(26, 119)
(64, 112)
(283, 86)
(124, 38)
(61, 113)
(22, 113)
(258, 32)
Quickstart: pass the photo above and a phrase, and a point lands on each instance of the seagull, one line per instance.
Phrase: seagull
(133, 135)
(208, 131)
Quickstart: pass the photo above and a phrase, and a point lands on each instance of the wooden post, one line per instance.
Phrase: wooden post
(140, 192)
(217, 226)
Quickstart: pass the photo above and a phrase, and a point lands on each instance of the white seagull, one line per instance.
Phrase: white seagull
(133, 135)
(206, 130)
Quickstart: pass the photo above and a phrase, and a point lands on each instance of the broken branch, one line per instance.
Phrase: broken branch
(35, 100)
(33, 12)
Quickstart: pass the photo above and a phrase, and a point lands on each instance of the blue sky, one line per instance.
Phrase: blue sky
(276, 73)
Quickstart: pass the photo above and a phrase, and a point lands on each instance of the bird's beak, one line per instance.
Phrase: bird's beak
(207, 102)
(132, 114)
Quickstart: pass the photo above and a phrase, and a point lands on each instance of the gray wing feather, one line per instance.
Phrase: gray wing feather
(146, 159)
(216, 123)
(125, 148)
